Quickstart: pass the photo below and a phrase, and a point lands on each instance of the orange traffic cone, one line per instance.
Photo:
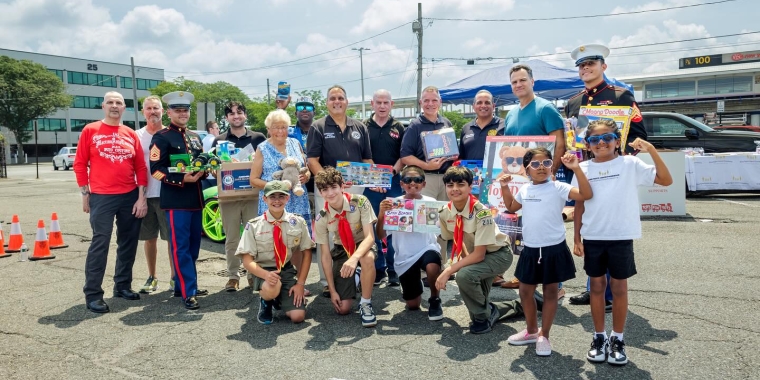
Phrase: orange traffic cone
(16, 239)
(2, 241)
(41, 246)
(56, 237)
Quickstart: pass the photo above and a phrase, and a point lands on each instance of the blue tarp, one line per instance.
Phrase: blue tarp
(551, 83)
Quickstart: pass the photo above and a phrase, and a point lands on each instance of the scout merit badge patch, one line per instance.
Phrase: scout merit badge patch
(483, 214)
(155, 153)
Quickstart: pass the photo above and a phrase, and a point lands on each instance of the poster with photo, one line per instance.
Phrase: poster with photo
(504, 154)
(426, 216)
(365, 175)
(399, 217)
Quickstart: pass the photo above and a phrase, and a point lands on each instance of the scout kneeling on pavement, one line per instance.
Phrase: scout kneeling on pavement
(350, 218)
(481, 249)
(266, 249)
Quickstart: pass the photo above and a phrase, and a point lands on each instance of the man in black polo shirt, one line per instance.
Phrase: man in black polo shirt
(386, 134)
(335, 137)
(412, 151)
(237, 211)
(472, 143)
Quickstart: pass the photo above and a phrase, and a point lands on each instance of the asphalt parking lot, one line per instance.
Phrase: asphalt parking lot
(693, 314)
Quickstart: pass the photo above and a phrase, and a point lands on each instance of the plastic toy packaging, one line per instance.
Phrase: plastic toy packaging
(283, 90)
(441, 143)
(365, 175)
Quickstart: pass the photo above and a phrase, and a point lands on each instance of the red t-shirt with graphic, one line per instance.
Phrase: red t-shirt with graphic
(110, 159)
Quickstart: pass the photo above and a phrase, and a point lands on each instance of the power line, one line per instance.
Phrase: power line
(611, 47)
(582, 16)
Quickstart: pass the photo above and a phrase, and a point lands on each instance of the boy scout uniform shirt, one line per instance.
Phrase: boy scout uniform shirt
(258, 238)
(479, 227)
(358, 213)
(175, 194)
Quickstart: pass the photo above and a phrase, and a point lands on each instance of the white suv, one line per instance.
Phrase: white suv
(65, 158)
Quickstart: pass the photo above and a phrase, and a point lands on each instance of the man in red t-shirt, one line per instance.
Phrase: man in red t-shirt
(112, 175)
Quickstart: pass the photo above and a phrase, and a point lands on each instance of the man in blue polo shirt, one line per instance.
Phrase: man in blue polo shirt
(412, 151)
(472, 143)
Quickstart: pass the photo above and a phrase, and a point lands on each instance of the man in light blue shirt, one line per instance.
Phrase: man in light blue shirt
(535, 116)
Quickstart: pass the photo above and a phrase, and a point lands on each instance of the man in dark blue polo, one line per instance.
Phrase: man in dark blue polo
(412, 151)
(472, 143)
(386, 134)
(335, 137)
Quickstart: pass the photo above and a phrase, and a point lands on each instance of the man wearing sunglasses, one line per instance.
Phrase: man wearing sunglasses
(589, 59)
(304, 119)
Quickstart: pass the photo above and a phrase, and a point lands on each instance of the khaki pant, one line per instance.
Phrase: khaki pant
(235, 213)
(475, 281)
(319, 205)
(434, 187)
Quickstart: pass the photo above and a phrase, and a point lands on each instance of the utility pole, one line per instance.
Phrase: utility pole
(134, 94)
(361, 66)
(269, 94)
(417, 28)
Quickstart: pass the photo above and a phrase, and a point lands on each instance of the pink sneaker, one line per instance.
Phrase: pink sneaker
(522, 338)
(543, 347)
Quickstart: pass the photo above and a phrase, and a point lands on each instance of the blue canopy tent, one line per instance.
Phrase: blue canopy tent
(551, 83)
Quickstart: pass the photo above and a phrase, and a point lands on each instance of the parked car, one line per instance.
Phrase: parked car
(65, 158)
(748, 128)
(667, 130)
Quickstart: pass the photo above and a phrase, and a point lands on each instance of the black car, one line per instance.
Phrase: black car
(667, 130)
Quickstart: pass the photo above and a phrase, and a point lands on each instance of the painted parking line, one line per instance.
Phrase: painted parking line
(738, 203)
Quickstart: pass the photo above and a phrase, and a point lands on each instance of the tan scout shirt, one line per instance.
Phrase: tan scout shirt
(258, 238)
(479, 227)
(358, 213)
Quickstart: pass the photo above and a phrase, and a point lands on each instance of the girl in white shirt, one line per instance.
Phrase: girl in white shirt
(546, 258)
(608, 223)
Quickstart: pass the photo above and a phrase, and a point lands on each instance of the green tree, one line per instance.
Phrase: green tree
(457, 120)
(219, 93)
(28, 91)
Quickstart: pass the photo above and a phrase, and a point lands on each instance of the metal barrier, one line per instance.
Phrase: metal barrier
(3, 167)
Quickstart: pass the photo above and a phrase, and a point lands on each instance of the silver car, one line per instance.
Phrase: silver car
(65, 158)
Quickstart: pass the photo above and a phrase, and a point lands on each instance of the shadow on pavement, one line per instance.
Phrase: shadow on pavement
(555, 366)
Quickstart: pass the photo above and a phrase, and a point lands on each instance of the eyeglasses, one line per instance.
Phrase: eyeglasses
(305, 108)
(408, 180)
(517, 160)
(545, 163)
(607, 137)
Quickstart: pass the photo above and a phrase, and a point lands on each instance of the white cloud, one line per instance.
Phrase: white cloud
(216, 7)
(387, 13)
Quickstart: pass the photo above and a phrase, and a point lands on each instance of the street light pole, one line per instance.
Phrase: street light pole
(361, 65)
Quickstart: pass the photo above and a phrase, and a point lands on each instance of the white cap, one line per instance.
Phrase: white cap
(178, 99)
(589, 52)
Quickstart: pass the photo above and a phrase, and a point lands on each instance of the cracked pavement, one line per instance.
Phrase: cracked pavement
(693, 312)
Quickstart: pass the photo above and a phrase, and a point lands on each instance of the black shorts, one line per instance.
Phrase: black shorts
(556, 265)
(411, 286)
(613, 255)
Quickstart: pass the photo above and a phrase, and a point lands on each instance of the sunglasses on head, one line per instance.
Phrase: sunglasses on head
(607, 137)
(408, 180)
(517, 160)
(547, 163)
(305, 108)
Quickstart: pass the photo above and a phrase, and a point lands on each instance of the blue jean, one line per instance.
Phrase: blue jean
(384, 259)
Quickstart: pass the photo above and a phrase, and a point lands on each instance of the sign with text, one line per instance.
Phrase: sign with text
(719, 59)
(665, 200)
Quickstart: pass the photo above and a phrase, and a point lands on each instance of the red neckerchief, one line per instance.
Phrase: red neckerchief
(344, 228)
(280, 250)
(456, 250)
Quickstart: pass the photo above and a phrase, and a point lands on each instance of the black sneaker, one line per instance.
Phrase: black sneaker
(581, 299)
(265, 312)
(478, 326)
(277, 304)
(607, 306)
(393, 278)
(617, 354)
(435, 311)
(598, 351)
(191, 303)
(381, 275)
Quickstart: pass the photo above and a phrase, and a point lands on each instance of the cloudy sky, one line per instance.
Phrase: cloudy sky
(246, 42)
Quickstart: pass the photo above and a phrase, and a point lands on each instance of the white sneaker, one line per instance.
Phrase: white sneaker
(543, 347)
(522, 338)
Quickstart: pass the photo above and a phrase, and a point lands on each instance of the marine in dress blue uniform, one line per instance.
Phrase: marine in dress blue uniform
(182, 201)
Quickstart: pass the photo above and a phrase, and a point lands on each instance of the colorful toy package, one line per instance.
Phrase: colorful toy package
(399, 217)
(441, 143)
(426, 216)
(365, 175)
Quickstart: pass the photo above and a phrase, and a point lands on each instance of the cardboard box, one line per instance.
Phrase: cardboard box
(233, 181)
